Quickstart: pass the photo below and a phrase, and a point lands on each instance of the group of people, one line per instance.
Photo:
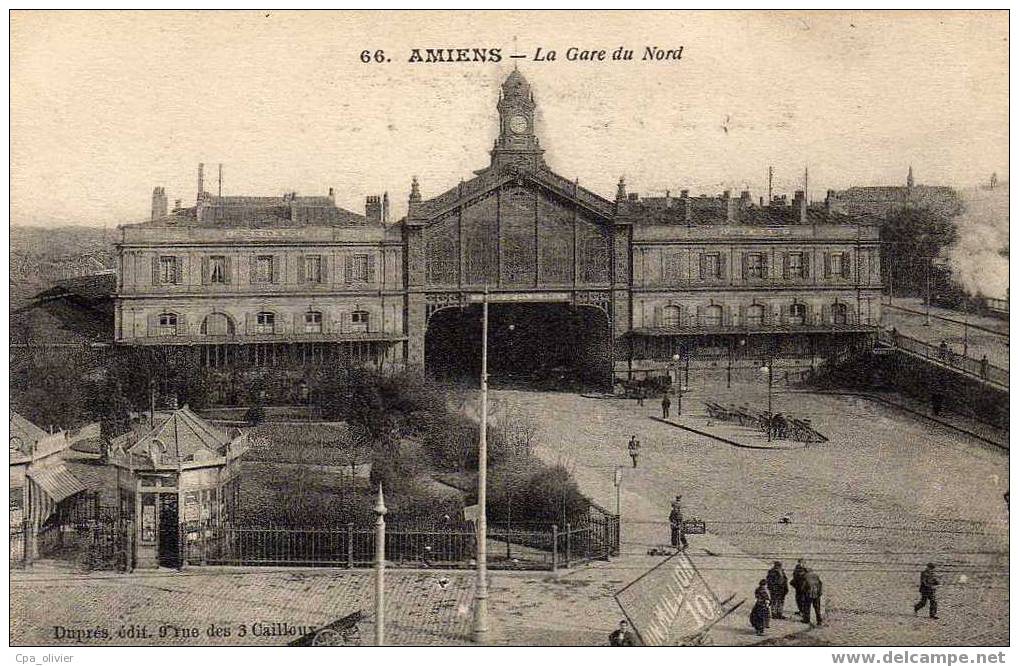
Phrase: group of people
(772, 590)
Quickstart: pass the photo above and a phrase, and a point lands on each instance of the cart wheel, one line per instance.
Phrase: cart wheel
(327, 638)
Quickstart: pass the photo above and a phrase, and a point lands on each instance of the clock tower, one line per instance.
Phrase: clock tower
(517, 144)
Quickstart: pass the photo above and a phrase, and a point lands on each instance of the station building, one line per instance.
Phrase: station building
(580, 284)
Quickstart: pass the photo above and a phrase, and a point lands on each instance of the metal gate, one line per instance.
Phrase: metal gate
(85, 532)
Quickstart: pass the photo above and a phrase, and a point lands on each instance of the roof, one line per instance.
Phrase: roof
(177, 438)
(62, 321)
(490, 178)
(25, 430)
(259, 212)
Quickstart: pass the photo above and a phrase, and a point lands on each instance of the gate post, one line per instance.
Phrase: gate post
(568, 534)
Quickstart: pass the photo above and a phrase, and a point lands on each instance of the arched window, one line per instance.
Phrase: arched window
(797, 314)
(754, 316)
(670, 316)
(167, 324)
(217, 323)
(839, 313)
(265, 323)
(312, 322)
(713, 315)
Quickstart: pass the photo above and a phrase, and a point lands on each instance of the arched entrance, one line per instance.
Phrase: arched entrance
(553, 346)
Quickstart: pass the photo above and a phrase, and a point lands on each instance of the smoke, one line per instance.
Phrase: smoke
(977, 258)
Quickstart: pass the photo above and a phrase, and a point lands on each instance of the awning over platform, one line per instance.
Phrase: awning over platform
(57, 482)
(784, 329)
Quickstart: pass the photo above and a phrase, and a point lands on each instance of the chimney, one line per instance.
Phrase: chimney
(158, 203)
(684, 201)
(621, 189)
(176, 204)
(385, 207)
(332, 195)
(373, 210)
(201, 180)
(220, 179)
(800, 200)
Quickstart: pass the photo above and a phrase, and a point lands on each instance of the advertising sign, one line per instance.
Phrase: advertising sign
(669, 603)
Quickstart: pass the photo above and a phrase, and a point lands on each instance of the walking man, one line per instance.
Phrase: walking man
(634, 448)
(676, 524)
(797, 584)
(811, 595)
(928, 591)
(778, 587)
(666, 403)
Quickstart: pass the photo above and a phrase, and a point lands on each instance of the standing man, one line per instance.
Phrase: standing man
(640, 396)
(666, 403)
(983, 366)
(778, 587)
(621, 637)
(811, 595)
(634, 448)
(928, 591)
(676, 524)
(797, 584)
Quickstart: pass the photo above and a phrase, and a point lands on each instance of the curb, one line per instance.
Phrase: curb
(725, 440)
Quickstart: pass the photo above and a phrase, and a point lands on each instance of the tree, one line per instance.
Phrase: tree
(910, 237)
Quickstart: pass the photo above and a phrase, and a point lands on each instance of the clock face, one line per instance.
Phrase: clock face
(518, 124)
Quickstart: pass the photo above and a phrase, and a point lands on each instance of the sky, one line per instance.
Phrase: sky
(107, 105)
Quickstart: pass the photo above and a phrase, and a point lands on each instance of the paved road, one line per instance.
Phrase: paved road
(868, 509)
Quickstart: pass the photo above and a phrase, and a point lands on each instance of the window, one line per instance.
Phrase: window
(168, 270)
(754, 315)
(796, 265)
(754, 267)
(711, 266)
(263, 269)
(312, 322)
(167, 324)
(359, 268)
(265, 322)
(217, 270)
(797, 314)
(670, 316)
(839, 313)
(836, 265)
(313, 269)
(713, 315)
(359, 320)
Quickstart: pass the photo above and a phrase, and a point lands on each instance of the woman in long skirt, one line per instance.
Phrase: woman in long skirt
(761, 613)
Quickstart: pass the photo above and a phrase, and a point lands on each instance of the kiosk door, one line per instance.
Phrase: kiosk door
(169, 531)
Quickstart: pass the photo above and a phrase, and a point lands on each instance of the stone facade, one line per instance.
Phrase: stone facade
(667, 275)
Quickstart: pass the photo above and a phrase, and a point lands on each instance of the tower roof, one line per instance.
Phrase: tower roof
(516, 85)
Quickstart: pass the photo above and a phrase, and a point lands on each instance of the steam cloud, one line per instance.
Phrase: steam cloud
(983, 232)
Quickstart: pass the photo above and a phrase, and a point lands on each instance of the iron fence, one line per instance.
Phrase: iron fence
(511, 545)
(966, 364)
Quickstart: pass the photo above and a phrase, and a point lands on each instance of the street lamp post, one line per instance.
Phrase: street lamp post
(380, 570)
(481, 578)
(767, 369)
(676, 387)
